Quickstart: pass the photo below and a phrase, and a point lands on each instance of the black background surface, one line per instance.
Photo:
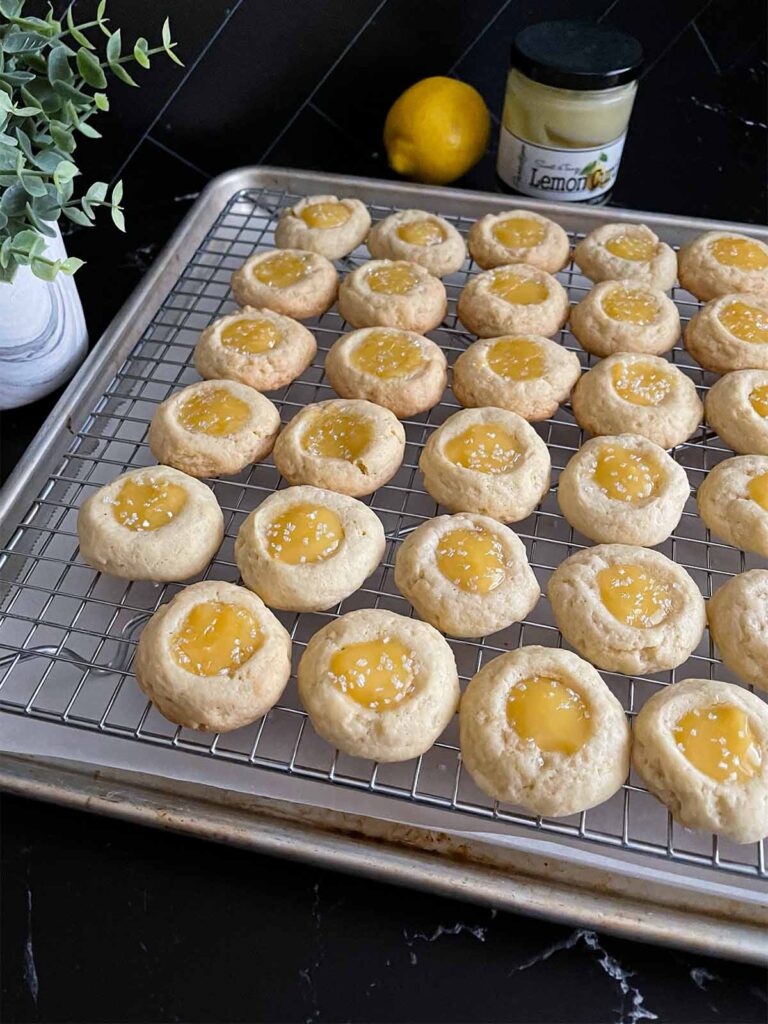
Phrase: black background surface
(103, 921)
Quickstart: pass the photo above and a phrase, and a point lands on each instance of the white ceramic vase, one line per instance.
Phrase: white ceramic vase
(42, 333)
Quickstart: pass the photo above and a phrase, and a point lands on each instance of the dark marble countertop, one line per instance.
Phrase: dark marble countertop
(104, 921)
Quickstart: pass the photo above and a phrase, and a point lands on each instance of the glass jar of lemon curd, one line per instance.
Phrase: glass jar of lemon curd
(569, 97)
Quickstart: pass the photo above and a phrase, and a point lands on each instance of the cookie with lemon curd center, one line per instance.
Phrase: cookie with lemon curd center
(293, 282)
(629, 252)
(519, 236)
(327, 225)
(419, 237)
(392, 293)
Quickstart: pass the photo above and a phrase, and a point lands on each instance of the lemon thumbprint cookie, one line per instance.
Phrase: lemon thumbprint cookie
(392, 293)
(467, 574)
(216, 426)
(540, 729)
(346, 445)
(738, 614)
(719, 262)
(489, 461)
(418, 237)
(525, 373)
(625, 316)
(624, 252)
(401, 370)
(514, 299)
(151, 524)
(306, 549)
(518, 236)
(379, 685)
(627, 609)
(633, 393)
(736, 407)
(290, 281)
(701, 747)
(328, 225)
(730, 333)
(214, 658)
(733, 502)
(257, 347)
(623, 490)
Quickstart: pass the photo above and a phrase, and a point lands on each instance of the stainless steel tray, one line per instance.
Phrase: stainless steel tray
(67, 634)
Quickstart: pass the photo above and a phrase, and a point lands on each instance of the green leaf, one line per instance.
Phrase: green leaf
(119, 72)
(140, 52)
(7, 160)
(47, 160)
(77, 216)
(97, 192)
(65, 171)
(90, 69)
(118, 219)
(88, 131)
(168, 45)
(117, 193)
(26, 145)
(58, 66)
(13, 200)
(71, 265)
(63, 138)
(38, 222)
(75, 32)
(19, 42)
(101, 20)
(101, 100)
(46, 270)
(69, 92)
(33, 185)
(114, 46)
(604, 157)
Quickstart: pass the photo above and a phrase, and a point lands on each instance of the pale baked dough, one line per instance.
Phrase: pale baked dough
(736, 809)
(605, 640)
(715, 347)
(421, 309)
(512, 768)
(507, 496)
(293, 232)
(488, 251)
(738, 622)
(602, 335)
(590, 509)
(273, 368)
(315, 585)
(706, 277)
(439, 258)
(600, 264)
(396, 732)
(445, 604)
(406, 395)
(476, 383)
(601, 409)
(202, 454)
(229, 699)
(180, 548)
(732, 412)
(488, 315)
(310, 296)
(373, 467)
(728, 509)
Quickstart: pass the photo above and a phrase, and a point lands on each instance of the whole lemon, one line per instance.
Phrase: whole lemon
(436, 130)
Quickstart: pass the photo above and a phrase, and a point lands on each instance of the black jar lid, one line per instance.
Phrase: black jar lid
(576, 55)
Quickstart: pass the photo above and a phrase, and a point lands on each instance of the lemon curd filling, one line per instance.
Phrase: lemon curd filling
(634, 596)
(251, 336)
(392, 279)
(551, 714)
(387, 355)
(641, 383)
(421, 232)
(516, 359)
(216, 639)
(145, 505)
(484, 447)
(758, 490)
(282, 269)
(519, 232)
(758, 399)
(304, 533)
(378, 674)
(626, 475)
(517, 290)
(630, 306)
(719, 742)
(739, 252)
(337, 435)
(631, 247)
(325, 215)
(745, 322)
(215, 411)
(473, 559)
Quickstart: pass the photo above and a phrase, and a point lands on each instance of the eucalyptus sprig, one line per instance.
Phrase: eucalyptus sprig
(53, 81)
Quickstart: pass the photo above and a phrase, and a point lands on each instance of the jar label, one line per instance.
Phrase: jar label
(568, 175)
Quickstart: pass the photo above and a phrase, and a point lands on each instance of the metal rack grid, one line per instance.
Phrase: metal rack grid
(68, 633)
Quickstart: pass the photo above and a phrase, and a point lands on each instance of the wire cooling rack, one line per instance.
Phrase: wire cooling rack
(68, 633)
